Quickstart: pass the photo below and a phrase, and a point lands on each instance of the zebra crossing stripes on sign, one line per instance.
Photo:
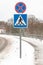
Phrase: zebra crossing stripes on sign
(20, 20)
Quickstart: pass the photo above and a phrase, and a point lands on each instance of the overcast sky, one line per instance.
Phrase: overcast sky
(34, 7)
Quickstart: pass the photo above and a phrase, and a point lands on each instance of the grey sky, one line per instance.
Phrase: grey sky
(34, 7)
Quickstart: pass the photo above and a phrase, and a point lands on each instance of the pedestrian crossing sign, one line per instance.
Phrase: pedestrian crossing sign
(20, 21)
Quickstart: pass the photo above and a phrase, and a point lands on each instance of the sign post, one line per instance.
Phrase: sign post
(20, 44)
(20, 20)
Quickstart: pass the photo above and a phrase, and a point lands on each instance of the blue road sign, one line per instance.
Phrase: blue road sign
(20, 21)
(20, 7)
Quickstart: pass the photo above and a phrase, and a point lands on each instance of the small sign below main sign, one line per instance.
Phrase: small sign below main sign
(20, 20)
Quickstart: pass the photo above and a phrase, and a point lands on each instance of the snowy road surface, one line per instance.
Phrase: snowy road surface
(13, 56)
(32, 51)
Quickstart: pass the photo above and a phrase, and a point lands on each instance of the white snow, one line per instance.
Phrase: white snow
(13, 57)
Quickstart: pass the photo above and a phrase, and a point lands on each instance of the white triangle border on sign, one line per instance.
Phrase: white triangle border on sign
(18, 21)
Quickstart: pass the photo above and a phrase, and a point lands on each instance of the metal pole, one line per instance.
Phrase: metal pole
(20, 43)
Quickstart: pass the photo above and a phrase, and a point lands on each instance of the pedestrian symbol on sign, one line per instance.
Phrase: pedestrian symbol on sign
(20, 20)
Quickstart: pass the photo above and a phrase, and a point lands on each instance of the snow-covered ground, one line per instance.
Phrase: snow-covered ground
(13, 56)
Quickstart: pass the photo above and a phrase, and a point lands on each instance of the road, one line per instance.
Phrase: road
(30, 47)
(11, 53)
